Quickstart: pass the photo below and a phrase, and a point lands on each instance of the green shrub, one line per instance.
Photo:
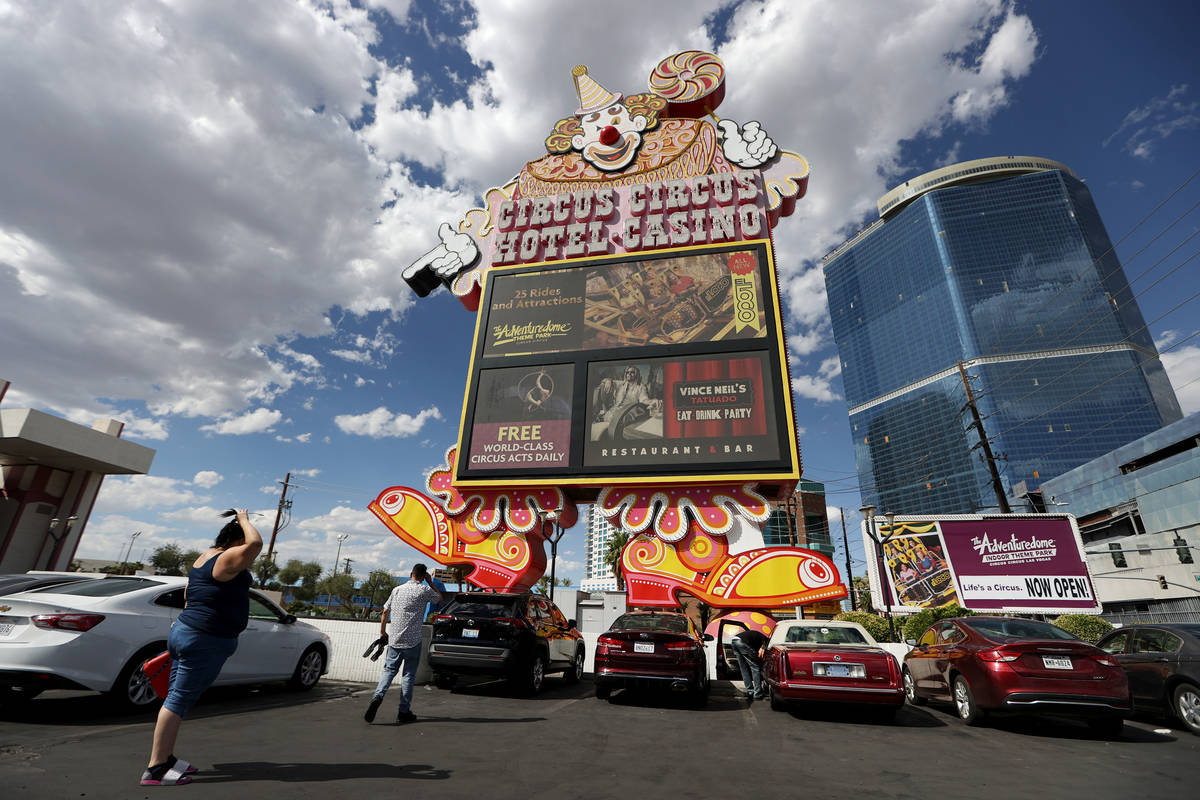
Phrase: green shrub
(876, 625)
(1085, 626)
(918, 623)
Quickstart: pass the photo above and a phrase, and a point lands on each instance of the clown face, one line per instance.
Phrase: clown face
(611, 137)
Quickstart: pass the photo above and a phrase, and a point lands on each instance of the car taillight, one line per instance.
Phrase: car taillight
(442, 617)
(516, 623)
(998, 655)
(606, 643)
(67, 622)
(681, 645)
(1107, 661)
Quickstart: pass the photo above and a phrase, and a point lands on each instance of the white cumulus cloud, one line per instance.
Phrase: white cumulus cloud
(381, 423)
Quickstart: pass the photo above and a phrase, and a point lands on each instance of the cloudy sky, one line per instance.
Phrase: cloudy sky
(205, 207)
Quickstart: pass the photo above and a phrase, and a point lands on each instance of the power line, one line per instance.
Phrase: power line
(1093, 388)
(1107, 351)
(1112, 247)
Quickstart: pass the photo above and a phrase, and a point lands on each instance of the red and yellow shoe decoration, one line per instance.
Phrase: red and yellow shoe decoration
(701, 565)
(498, 558)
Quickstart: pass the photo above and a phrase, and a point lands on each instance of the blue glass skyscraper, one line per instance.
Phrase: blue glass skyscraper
(1002, 264)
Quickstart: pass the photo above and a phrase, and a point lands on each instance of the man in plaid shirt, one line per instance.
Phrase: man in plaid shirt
(403, 615)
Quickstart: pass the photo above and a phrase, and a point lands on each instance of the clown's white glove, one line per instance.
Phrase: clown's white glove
(456, 252)
(748, 147)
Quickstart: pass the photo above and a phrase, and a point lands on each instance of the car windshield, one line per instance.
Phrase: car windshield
(826, 634)
(108, 587)
(1013, 630)
(486, 608)
(652, 622)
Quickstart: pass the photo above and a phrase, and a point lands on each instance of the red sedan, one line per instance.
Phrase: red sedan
(984, 664)
(652, 649)
(831, 661)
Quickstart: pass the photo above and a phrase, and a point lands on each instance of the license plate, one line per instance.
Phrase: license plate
(838, 671)
(1056, 662)
(6, 628)
(643, 647)
(470, 633)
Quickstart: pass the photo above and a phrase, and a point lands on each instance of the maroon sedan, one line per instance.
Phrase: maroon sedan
(828, 661)
(652, 649)
(984, 664)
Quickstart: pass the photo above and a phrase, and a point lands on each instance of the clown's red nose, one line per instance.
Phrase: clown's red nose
(609, 136)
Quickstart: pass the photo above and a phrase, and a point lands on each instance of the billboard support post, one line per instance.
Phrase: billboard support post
(868, 513)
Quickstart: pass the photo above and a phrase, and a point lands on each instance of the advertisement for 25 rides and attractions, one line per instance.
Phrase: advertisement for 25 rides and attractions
(629, 352)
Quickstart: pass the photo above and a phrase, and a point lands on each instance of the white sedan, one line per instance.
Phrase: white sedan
(95, 634)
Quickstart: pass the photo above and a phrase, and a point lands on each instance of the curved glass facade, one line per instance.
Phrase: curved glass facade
(1017, 278)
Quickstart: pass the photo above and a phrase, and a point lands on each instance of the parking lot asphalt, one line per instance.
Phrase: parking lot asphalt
(479, 741)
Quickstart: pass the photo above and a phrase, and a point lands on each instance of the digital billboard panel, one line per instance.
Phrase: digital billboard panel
(679, 411)
(706, 296)
(1021, 563)
(665, 365)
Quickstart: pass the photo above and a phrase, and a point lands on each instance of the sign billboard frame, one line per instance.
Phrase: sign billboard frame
(930, 534)
(583, 480)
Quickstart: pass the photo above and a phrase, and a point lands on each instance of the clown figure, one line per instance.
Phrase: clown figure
(611, 134)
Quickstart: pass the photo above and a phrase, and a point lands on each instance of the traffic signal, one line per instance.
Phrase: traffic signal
(1162, 581)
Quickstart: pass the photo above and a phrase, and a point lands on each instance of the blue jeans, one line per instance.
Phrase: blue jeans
(748, 663)
(196, 661)
(411, 658)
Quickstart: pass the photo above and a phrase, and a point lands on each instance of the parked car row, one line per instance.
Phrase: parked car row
(95, 633)
(65, 631)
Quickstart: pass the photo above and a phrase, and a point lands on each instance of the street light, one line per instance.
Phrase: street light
(552, 517)
(341, 537)
(129, 550)
(59, 537)
(868, 513)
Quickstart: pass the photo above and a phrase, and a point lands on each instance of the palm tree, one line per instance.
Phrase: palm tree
(612, 556)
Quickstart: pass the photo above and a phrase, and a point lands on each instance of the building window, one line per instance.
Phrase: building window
(1118, 557)
(1182, 550)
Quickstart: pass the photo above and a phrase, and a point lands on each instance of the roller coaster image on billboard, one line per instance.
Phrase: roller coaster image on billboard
(659, 365)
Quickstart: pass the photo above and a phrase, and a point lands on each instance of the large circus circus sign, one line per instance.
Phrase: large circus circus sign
(629, 351)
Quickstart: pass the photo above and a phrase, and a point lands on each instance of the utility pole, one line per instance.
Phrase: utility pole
(284, 505)
(849, 572)
(348, 561)
(997, 486)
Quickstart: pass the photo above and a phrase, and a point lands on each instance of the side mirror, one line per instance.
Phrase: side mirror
(911, 642)
(707, 637)
(570, 623)
(289, 619)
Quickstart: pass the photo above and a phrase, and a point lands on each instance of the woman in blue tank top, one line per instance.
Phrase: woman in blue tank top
(202, 638)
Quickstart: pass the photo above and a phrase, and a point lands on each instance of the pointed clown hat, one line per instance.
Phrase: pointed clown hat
(592, 96)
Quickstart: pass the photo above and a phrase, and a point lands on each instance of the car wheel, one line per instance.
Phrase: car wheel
(700, 688)
(444, 681)
(910, 690)
(530, 681)
(964, 702)
(1107, 727)
(132, 690)
(308, 669)
(1187, 706)
(603, 692)
(574, 672)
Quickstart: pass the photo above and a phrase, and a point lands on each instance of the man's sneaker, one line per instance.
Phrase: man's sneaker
(372, 708)
(405, 717)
